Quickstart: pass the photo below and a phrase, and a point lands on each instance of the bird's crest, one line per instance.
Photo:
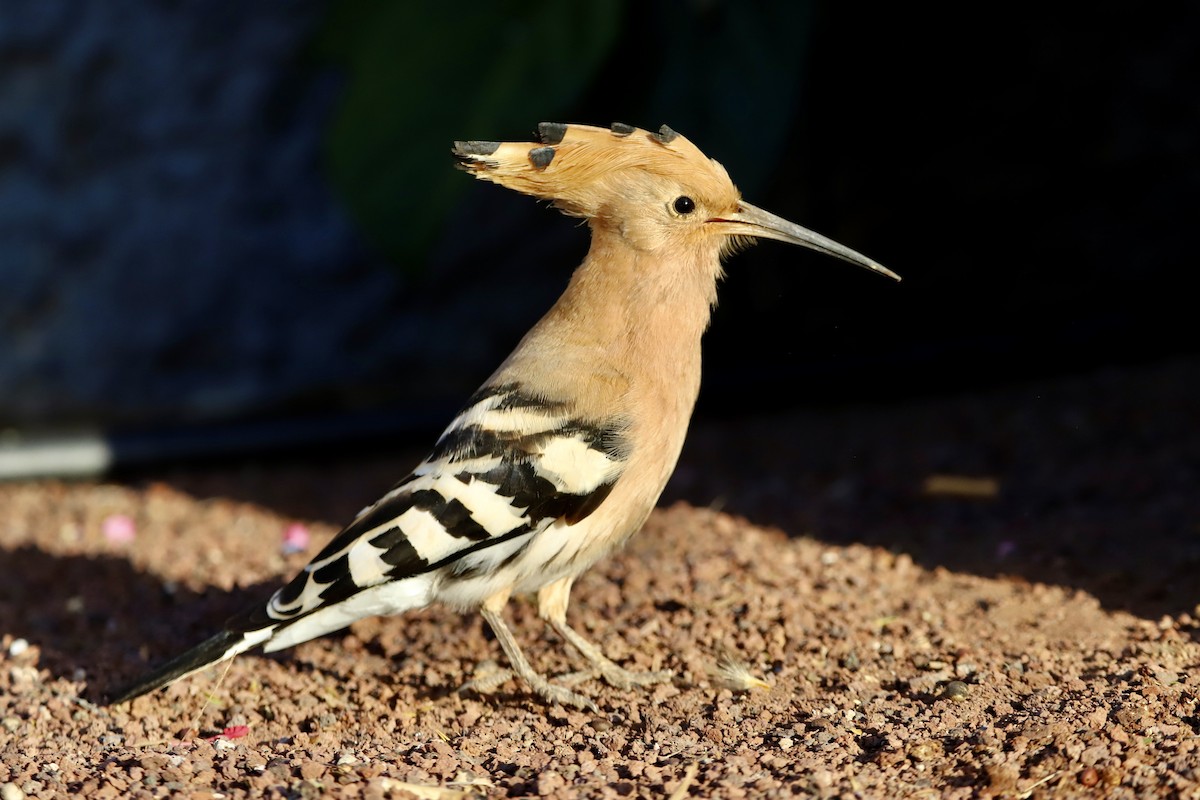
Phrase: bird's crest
(580, 167)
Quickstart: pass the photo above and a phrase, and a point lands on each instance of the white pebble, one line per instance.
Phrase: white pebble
(15, 649)
(10, 791)
(19, 674)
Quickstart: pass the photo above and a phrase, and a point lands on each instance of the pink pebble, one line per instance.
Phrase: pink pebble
(119, 528)
(295, 538)
(232, 732)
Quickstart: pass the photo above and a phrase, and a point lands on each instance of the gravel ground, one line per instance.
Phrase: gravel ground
(990, 595)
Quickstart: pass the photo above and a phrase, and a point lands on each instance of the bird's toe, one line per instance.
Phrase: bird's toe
(553, 693)
(487, 678)
(626, 679)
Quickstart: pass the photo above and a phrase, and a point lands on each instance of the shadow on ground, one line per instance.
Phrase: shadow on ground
(100, 609)
(1095, 481)
(1087, 482)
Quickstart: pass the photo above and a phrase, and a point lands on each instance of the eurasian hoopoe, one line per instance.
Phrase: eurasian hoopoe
(562, 454)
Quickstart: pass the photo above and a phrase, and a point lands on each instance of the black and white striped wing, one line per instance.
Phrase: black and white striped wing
(505, 469)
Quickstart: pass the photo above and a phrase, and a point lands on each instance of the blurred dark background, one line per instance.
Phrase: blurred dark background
(215, 212)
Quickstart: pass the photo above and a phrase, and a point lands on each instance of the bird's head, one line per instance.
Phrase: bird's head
(654, 190)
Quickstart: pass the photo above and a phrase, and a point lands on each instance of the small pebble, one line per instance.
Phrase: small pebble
(1165, 677)
(296, 538)
(22, 675)
(925, 750)
(956, 691)
(10, 791)
(17, 648)
(119, 528)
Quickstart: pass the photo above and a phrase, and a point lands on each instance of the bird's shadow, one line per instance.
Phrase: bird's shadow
(98, 618)
(1097, 496)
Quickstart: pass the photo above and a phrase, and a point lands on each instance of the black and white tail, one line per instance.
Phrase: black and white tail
(455, 530)
(224, 645)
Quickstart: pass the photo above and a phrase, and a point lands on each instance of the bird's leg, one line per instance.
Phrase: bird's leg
(552, 607)
(551, 692)
(547, 690)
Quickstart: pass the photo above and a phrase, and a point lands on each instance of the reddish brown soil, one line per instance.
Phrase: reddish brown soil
(1027, 633)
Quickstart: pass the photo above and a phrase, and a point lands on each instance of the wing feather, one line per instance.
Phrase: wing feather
(507, 467)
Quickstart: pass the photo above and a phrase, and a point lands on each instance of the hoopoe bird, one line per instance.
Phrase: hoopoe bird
(562, 454)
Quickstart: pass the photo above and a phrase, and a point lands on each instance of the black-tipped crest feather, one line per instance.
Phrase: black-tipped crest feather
(664, 136)
(541, 157)
(476, 148)
(551, 132)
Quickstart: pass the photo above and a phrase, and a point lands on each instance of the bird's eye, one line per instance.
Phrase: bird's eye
(684, 205)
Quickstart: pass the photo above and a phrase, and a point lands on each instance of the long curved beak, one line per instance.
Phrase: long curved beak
(751, 220)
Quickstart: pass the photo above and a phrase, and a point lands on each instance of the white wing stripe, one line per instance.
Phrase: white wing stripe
(491, 510)
(579, 469)
(426, 535)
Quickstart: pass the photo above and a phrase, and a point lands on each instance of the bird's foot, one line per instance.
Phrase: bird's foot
(556, 693)
(618, 676)
(489, 676)
(613, 673)
(625, 679)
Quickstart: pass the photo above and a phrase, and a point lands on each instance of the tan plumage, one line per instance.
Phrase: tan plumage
(625, 336)
(562, 454)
